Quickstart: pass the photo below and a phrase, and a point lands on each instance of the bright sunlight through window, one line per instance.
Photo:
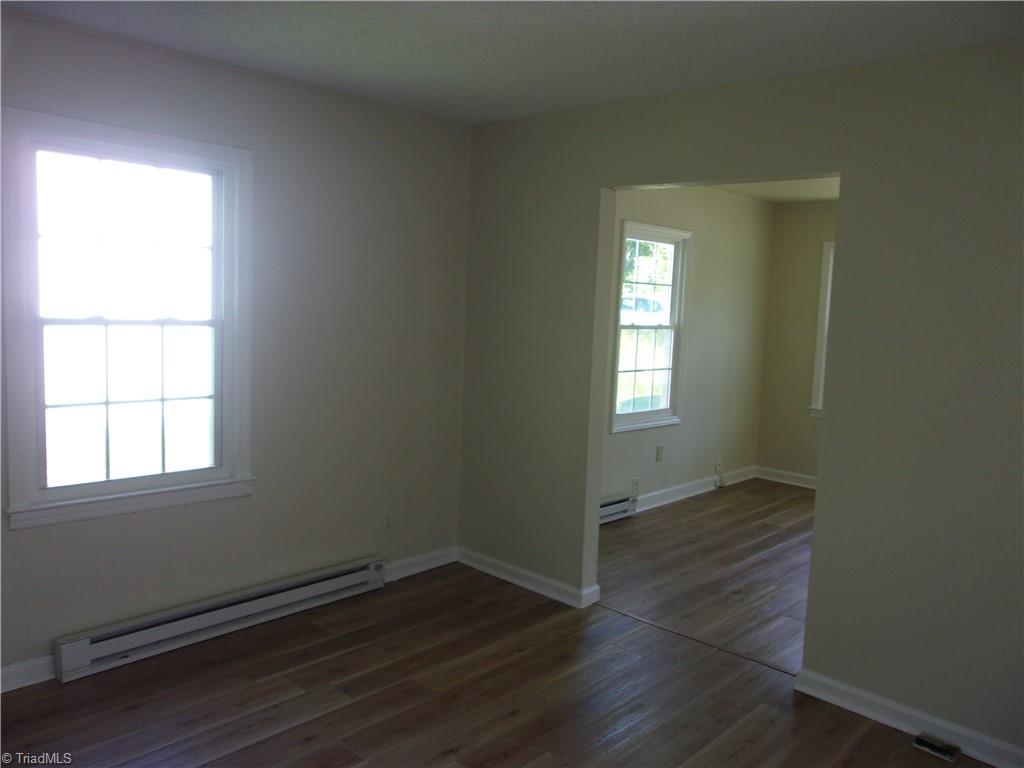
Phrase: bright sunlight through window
(127, 319)
(126, 308)
(648, 323)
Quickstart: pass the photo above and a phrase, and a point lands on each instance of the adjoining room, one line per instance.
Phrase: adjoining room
(718, 375)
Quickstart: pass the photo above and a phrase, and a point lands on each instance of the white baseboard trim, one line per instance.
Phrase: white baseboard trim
(988, 749)
(22, 673)
(409, 566)
(672, 494)
(789, 478)
(676, 493)
(556, 590)
(739, 475)
(32, 671)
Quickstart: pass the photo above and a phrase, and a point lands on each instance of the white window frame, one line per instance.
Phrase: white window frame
(828, 251)
(30, 503)
(679, 239)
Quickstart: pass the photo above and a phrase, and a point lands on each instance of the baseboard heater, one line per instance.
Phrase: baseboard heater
(616, 506)
(111, 646)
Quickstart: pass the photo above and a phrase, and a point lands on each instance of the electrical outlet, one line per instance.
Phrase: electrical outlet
(719, 477)
(636, 486)
(389, 524)
(659, 453)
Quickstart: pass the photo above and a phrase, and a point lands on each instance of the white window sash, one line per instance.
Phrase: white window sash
(31, 503)
(679, 240)
(821, 339)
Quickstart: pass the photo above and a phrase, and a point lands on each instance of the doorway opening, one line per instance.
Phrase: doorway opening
(718, 323)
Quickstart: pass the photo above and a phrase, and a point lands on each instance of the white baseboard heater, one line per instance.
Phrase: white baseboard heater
(616, 506)
(115, 644)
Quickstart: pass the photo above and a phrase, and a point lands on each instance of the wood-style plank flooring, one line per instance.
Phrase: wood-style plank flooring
(450, 668)
(728, 568)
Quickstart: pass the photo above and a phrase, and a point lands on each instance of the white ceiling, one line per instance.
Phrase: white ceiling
(481, 61)
(796, 191)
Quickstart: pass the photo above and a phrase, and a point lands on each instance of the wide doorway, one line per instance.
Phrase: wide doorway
(720, 330)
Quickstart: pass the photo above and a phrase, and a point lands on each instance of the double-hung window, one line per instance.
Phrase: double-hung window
(648, 346)
(127, 353)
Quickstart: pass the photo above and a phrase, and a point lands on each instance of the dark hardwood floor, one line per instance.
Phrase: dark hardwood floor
(455, 669)
(728, 568)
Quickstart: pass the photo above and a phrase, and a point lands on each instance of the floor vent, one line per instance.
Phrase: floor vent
(616, 506)
(113, 645)
(937, 747)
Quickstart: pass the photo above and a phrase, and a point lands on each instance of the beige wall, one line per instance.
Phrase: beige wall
(722, 334)
(359, 258)
(788, 436)
(916, 589)
(916, 586)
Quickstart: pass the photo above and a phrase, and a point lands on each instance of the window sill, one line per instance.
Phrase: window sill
(665, 421)
(814, 413)
(51, 513)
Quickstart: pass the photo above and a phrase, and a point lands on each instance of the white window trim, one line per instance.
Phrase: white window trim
(29, 503)
(828, 250)
(681, 240)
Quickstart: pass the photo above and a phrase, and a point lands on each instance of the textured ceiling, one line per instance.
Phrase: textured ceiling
(797, 191)
(481, 61)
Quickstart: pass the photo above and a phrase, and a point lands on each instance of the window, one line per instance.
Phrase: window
(821, 344)
(127, 354)
(649, 312)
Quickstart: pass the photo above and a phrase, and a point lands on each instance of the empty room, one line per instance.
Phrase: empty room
(720, 324)
(512, 384)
